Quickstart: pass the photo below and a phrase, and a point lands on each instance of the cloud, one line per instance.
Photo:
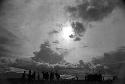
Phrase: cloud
(22, 63)
(114, 60)
(12, 41)
(4, 51)
(3, 69)
(47, 55)
(77, 39)
(53, 32)
(7, 39)
(92, 11)
(1, 2)
(24, 26)
(78, 28)
(56, 42)
(81, 64)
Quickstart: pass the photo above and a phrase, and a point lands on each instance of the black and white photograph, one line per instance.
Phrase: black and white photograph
(62, 41)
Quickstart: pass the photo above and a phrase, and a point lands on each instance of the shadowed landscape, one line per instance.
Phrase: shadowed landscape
(63, 79)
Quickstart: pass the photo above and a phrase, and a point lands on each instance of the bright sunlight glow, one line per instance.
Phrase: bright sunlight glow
(67, 31)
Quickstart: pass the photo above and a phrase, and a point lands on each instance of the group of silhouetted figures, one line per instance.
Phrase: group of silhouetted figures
(93, 77)
(51, 75)
(97, 77)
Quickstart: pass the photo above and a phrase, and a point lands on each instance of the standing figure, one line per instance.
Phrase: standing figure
(51, 75)
(29, 75)
(43, 73)
(115, 77)
(34, 75)
(77, 77)
(38, 76)
(47, 76)
(24, 75)
(57, 76)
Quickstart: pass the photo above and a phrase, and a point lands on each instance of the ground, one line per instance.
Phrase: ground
(19, 81)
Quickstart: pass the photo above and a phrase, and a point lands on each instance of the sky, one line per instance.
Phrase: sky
(60, 31)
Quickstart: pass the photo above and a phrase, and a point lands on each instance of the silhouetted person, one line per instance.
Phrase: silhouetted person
(38, 76)
(47, 76)
(86, 74)
(77, 77)
(44, 75)
(51, 75)
(85, 77)
(24, 75)
(103, 78)
(34, 75)
(100, 77)
(29, 75)
(23, 81)
(93, 77)
(57, 76)
(115, 77)
(96, 77)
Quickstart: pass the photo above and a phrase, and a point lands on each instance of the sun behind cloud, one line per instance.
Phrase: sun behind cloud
(67, 30)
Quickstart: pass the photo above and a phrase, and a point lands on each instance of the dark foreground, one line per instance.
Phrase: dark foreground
(19, 81)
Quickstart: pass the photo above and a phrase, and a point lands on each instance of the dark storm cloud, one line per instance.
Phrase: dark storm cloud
(46, 55)
(78, 28)
(98, 10)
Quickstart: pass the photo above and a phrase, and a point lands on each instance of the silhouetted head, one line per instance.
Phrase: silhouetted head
(29, 71)
(34, 72)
